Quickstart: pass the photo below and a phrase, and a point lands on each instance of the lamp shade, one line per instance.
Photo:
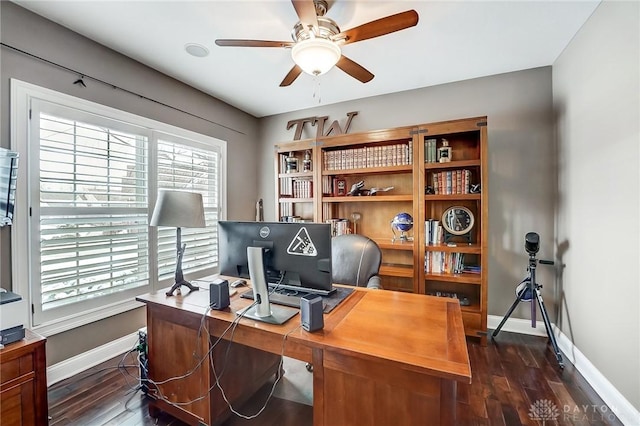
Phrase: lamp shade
(178, 209)
(316, 56)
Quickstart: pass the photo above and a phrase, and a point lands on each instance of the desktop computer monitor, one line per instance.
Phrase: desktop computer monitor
(296, 256)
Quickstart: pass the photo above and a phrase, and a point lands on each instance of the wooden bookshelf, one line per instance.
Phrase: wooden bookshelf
(398, 158)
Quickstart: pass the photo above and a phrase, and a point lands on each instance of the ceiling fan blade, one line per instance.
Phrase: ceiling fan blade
(291, 76)
(354, 69)
(306, 11)
(379, 27)
(253, 43)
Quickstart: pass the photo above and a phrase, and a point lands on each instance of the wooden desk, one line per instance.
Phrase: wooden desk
(382, 358)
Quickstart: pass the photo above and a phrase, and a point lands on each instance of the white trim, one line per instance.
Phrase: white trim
(517, 325)
(79, 363)
(83, 318)
(620, 406)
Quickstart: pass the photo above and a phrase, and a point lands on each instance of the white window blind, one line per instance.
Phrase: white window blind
(93, 209)
(187, 168)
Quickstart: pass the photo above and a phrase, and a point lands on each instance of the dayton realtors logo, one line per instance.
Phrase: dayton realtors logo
(543, 410)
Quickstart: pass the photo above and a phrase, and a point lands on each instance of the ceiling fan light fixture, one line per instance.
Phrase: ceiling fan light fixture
(316, 55)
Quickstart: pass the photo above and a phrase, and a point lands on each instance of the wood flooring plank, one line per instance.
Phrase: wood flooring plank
(494, 412)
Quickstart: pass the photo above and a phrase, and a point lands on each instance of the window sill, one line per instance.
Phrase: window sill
(74, 321)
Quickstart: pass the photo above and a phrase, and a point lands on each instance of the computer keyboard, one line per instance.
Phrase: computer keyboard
(291, 300)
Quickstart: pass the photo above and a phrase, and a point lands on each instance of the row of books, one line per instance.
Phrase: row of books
(439, 262)
(339, 226)
(296, 188)
(452, 182)
(295, 219)
(302, 188)
(331, 188)
(368, 156)
(431, 154)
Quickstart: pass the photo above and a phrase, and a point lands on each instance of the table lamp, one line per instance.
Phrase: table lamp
(179, 209)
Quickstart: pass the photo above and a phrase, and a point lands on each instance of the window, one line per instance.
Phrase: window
(180, 167)
(93, 175)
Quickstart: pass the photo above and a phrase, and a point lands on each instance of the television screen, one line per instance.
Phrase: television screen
(8, 177)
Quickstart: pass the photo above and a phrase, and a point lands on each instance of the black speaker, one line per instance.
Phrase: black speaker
(219, 294)
(311, 311)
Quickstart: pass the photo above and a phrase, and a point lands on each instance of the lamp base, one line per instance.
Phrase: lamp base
(180, 283)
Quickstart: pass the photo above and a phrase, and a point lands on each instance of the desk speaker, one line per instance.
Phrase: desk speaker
(219, 294)
(311, 311)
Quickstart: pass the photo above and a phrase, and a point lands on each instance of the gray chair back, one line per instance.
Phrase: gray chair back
(355, 260)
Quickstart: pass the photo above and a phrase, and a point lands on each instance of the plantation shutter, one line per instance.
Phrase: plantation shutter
(188, 168)
(92, 207)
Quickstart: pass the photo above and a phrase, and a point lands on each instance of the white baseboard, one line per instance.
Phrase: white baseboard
(516, 325)
(79, 363)
(620, 406)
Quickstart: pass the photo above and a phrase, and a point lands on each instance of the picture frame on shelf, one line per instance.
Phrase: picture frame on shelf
(339, 187)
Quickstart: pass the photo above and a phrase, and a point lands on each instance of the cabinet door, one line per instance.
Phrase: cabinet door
(17, 405)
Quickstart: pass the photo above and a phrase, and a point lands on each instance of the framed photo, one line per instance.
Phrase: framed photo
(339, 187)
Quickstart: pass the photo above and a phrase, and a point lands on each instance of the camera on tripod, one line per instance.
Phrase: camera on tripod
(532, 243)
(529, 291)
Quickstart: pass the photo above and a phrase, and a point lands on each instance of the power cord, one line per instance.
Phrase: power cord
(156, 384)
(273, 386)
(232, 326)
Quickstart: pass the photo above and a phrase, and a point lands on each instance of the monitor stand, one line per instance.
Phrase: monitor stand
(278, 315)
(263, 311)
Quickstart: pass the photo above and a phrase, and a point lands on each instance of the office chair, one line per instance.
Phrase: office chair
(355, 260)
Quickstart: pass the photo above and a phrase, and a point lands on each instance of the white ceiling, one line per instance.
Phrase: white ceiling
(454, 40)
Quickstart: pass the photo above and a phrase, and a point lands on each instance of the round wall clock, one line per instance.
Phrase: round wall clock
(458, 220)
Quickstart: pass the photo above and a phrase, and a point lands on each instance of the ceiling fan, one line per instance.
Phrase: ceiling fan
(315, 48)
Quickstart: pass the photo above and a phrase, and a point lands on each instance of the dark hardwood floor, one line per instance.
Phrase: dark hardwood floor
(516, 381)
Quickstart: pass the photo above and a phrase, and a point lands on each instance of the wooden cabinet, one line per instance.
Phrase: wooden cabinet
(295, 183)
(403, 165)
(23, 382)
(460, 182)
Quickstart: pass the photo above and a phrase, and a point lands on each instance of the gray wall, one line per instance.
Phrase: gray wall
(522, 177)
(596, 96)
(33, 34)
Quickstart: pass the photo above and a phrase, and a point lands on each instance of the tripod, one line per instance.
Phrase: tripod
(528, 289)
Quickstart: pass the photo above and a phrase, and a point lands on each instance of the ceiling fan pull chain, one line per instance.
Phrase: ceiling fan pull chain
(316, 90)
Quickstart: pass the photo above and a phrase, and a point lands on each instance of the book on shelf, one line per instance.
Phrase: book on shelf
(296, 188)
(339, 226)
(471, 269)
(451, 182)
(434, 232)
(438, 262)
(430, 151)
(368, 156)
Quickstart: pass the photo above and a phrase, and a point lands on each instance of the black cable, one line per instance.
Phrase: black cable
(273, 386)
(156, 384)
(116, 87)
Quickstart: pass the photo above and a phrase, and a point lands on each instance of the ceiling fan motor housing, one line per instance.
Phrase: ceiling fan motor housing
(327, 28)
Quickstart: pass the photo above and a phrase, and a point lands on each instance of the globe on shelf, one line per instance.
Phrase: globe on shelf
(402, 223)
